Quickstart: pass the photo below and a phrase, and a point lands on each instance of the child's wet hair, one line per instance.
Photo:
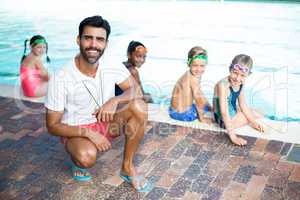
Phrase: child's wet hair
(32, 44)
(196, 50)
(132, 46)
(242, 59)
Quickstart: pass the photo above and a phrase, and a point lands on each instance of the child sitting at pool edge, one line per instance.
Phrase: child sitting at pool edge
(136, 57)
(34, 76)
(188, 102)
(229, 102)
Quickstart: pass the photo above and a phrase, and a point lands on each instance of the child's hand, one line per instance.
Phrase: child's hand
(258, 126)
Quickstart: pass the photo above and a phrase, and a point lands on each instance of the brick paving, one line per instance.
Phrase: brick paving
(183, 163)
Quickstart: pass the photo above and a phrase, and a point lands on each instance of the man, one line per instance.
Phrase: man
(82, 109)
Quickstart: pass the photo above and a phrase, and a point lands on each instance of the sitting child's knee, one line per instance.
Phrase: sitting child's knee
(140, 108)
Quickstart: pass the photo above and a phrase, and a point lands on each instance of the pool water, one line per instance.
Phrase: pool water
(268, 32)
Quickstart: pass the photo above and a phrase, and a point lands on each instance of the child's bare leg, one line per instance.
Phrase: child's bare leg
(237, 121)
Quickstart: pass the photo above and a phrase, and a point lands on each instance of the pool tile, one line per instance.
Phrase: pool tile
(156, 193)
(182, 163)
(244, 174)
(201, 183)
(234, 191)
(179, 188)
(260, 145)
(294, 154)
(274, 146)
(295, 174)
(223, 179)
(167, 180)
(212, 194)
(292, 191)
(271, 193)
(285, 149)
(278, 179)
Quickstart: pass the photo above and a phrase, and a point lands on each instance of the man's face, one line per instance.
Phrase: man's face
(92, 43)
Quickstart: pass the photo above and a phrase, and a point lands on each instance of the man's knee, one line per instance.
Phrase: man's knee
(86, 157)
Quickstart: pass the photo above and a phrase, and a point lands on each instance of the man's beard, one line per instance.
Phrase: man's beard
(91, 60)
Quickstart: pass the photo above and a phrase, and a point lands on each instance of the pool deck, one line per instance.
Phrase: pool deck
(182, 162)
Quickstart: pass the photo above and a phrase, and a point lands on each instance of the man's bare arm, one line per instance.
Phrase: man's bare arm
(55, 127)
(131, 91)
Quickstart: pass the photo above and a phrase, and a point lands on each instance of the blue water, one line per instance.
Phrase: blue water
(268, 32)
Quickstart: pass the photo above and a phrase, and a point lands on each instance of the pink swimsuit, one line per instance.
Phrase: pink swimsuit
(30, 80)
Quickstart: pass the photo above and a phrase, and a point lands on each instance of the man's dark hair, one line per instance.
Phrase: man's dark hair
(95, 21)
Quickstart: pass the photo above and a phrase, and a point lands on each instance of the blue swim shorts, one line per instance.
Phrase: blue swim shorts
(189, 115)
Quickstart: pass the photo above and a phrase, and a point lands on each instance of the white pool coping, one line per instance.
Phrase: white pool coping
(281, 131)
(275, 130)
(15, 91)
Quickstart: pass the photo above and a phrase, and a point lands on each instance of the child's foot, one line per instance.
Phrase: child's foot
(237, 140)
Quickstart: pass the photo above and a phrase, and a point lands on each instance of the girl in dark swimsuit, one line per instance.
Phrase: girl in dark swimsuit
(136, 53)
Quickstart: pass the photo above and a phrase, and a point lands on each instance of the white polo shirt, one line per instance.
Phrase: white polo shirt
(76, 94)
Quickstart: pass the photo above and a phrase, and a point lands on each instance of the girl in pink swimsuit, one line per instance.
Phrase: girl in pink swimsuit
(34, 77)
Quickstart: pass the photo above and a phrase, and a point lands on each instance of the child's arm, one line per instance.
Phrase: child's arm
(44, 72)
(248, 113)
(134, 72)
(223, 93)
(200, 100)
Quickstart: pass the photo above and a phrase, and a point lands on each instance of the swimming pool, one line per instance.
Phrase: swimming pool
(268, 32)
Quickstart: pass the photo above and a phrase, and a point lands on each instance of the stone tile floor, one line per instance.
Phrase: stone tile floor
(182, 163)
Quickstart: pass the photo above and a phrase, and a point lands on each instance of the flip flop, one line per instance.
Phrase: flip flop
(75, 168)
(147, 187)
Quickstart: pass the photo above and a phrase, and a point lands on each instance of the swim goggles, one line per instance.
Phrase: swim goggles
(199, 56)
(243, 69)
(141, 49)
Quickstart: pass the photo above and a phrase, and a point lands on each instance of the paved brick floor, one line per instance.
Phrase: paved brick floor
(183, 163)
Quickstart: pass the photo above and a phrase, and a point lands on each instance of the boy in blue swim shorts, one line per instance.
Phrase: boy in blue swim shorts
(188, 102)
